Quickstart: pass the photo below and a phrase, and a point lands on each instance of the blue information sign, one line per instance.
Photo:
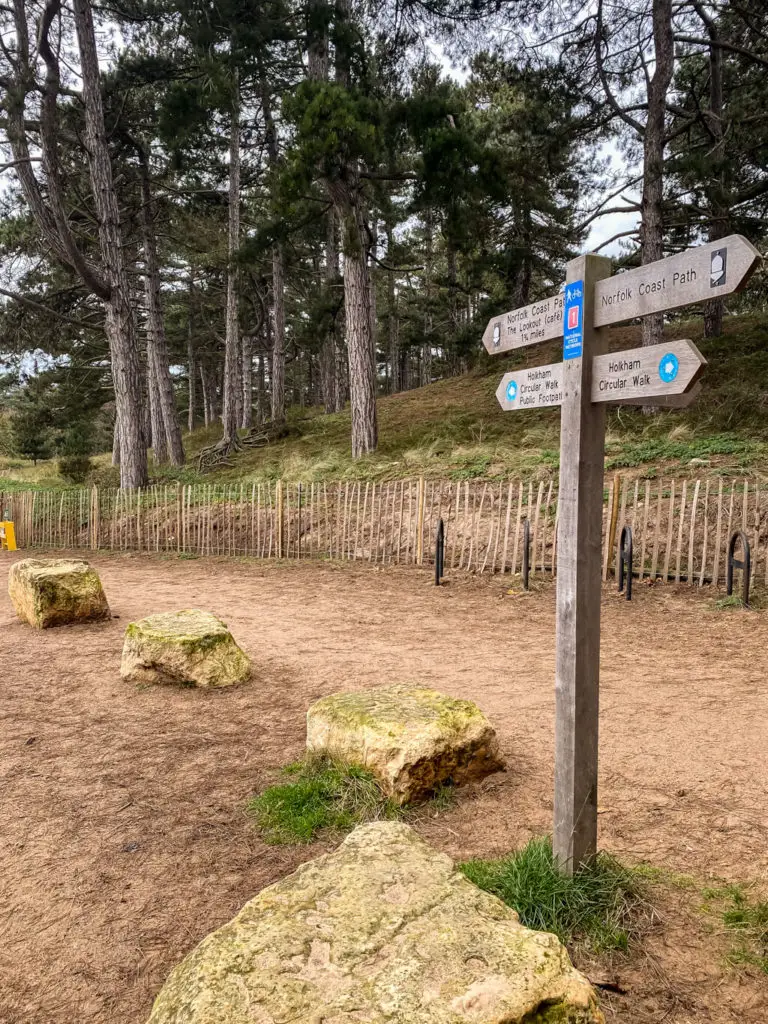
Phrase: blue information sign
(573, 335)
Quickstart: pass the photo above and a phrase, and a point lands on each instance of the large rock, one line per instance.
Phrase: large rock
(410, 737)
(189, 647)
(383, 930)
(53, 591)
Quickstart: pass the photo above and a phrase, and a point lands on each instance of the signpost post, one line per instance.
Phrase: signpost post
(582, 385)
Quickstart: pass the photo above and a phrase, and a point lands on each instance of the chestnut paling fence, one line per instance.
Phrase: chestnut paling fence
(680, 528)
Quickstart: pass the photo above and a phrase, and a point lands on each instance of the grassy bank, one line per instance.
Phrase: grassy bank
(455, 429)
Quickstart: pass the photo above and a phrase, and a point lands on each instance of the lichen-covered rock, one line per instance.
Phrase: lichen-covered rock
(189, 647)
(410, 737)
(382, 930)
(54, 591)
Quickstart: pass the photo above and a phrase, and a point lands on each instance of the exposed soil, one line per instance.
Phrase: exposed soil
(123, 837)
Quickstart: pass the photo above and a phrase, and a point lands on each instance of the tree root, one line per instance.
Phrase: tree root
(218, 454)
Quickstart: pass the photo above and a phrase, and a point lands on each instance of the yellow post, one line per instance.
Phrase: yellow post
(7, 536)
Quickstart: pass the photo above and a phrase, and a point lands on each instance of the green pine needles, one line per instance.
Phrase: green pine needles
(595, 905)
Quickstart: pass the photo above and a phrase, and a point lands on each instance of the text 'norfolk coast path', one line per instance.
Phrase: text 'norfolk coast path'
(706, 272)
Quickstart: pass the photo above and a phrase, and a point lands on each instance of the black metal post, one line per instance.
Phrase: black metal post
(439, 552)
(526, 553)
(745, 564)
(625, 560)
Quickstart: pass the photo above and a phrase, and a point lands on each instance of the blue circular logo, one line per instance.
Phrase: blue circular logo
(668, 367)
(512, 391)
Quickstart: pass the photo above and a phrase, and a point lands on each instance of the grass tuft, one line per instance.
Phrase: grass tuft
(596, 904)
(321, 795)
(748, 921)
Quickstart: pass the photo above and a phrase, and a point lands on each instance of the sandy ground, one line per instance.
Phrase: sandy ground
(123, 837)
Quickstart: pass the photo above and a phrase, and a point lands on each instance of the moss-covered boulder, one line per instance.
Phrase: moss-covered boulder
(382, 930)
(190, 647)
(54, 591)
(412, 738)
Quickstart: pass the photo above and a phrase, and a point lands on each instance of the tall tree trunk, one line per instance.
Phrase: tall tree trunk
(362, 368)
(157, 426)
(278, 271)
(392, 324)
(405, 369)
(329, 382)
(342, 367)
(277, 363)
(147, 383)
(654, 140)
(426, 348)
(717, 188)
(525, 274)
(317, 40)
(157, 346)
(231, 344)
(116, 444)
(317, 71)
(374, 252)
(348, 210)
(246, 377)
(239, 383)
(191, 362)
(453, 303)
(261, 390)
(206, 402)
(119, 323)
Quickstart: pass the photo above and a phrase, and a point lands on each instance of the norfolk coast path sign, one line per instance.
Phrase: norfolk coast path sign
(640, 376)
(706, 272)
(582, 385)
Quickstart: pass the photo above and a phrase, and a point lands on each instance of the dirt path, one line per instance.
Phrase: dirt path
(122, 834)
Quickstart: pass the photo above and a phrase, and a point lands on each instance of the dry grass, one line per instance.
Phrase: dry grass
(455, 429)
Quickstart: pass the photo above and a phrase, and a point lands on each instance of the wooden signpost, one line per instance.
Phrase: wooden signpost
(583, 384)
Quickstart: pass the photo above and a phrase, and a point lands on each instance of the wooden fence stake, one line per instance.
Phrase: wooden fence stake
(506, 529)
(513, 568)
(706, 535)
(680, 532)
(420, 524)
(694, 503)
(616, 492)
(646, 505)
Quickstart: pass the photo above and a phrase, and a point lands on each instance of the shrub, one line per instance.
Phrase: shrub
(104, 476)
(75, 468)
